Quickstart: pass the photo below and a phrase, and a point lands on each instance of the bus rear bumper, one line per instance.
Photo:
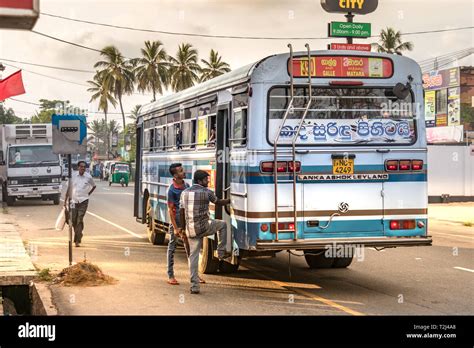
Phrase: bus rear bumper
(325, 243)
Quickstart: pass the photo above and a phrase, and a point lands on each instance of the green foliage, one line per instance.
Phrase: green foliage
(214, 67)
(184, 68)
(467, 116)
(391, 42)
(7, 116)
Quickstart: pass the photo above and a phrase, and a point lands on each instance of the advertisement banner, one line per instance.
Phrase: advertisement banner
(343, 66)
(453, 134)
(202, 132)
(454, 106)
(430, 108)
(441, 79)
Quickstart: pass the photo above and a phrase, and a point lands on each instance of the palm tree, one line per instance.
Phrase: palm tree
(391, 42)
(184, 68)
(118, 71)
(151, 70)
(214, 67)
(134, 113)
(102, 91)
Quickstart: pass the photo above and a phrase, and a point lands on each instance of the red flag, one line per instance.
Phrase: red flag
(11, 86)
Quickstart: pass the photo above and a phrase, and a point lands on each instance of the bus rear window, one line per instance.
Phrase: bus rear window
(342, 116)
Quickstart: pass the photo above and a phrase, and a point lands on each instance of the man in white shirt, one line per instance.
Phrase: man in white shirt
(82, 186)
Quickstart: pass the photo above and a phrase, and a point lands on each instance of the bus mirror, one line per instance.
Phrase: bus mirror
(402, 91)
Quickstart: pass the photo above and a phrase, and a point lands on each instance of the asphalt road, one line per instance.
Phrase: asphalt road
(433, 280)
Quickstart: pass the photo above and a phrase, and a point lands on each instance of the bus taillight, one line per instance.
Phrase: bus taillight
(391, 166)
(283, 227)
(405, 165)
(417, 165)
(282, 167)
(402, 224)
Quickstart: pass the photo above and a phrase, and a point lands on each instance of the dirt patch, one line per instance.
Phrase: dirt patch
(83, 274)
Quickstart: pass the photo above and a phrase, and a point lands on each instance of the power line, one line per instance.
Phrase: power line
(227, 36)
(48, 66)
(66, 42)
(90, 112)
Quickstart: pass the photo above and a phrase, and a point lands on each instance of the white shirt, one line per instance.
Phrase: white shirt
(81, 185)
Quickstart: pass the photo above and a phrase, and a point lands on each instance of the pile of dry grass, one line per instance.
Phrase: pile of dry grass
(84, 274)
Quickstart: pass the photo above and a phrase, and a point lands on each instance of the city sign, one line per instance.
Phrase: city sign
(353, 6)
(350, 47)
(345, 29)
(18, 14)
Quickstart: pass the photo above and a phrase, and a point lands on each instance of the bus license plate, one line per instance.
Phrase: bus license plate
(342, 166)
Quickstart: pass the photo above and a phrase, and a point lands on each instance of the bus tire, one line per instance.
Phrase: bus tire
(208, 264)
(227, 267)
(342, 262)
(155, 237)
(316, 259)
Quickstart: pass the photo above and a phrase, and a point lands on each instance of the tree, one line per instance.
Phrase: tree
(184, 68)
(118, 72)
(214, 67)
(103, 92)
(391, 42)
(151, 70)
(7, 116)
(50, 107)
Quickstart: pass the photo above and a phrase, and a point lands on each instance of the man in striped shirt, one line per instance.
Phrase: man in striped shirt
(194, 209)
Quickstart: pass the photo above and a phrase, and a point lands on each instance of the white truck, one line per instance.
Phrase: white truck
(28, 166)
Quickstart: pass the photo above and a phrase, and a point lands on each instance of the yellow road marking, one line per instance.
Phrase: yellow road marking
(305, 293)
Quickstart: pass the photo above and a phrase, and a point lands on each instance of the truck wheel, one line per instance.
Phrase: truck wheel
(10, 200)
(342, 262)
(156, 238)
(208, 264)
(56, 199)
(317, 259)
(227, 267)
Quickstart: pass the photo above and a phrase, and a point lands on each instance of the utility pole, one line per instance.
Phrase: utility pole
(350, 19)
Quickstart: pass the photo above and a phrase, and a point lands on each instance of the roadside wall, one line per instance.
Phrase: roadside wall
(450, 172)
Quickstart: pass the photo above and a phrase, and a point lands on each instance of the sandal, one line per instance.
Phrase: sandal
(173, 281)
(202, 281)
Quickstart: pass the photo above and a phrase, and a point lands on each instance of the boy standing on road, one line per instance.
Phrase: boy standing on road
(82, 186)
(194, 207)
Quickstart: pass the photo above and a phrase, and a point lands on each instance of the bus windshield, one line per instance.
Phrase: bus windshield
(32, 156)
(343, 116)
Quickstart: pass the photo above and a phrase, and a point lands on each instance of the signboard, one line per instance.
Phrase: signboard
(354, 6)
(430, 108)
(344, 29)
(441, 79)
(343, 66)
(454, 106)
(18, 14)
(69, 134)
(202, 132)
(345, 131)
(351, 47)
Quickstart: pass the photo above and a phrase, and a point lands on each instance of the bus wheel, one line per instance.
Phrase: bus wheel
(317, 259)
(227, 267)
(342, 262)
(208, 264)
(153, 236)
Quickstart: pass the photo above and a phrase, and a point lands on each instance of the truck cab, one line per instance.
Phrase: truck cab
(28, 166)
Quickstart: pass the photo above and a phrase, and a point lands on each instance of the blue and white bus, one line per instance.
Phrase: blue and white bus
(334, 157)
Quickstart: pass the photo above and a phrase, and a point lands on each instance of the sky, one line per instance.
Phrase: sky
(274, 18)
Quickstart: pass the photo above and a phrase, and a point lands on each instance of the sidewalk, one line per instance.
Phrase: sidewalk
(453, 212)
(16, 267)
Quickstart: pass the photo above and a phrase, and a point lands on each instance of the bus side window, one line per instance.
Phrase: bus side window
(188, 134)
(158, 139)
(152, 139)
(212, 131)
(239, 127)
(170, 137)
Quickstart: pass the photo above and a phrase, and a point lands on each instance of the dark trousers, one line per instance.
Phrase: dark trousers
(77, 217)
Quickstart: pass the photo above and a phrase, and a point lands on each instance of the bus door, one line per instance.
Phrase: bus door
(222, 184)
(343, 194)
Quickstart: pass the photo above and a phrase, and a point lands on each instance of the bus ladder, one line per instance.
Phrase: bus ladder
(277, 156)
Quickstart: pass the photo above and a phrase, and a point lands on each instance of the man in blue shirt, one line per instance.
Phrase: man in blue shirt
(174, 195)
